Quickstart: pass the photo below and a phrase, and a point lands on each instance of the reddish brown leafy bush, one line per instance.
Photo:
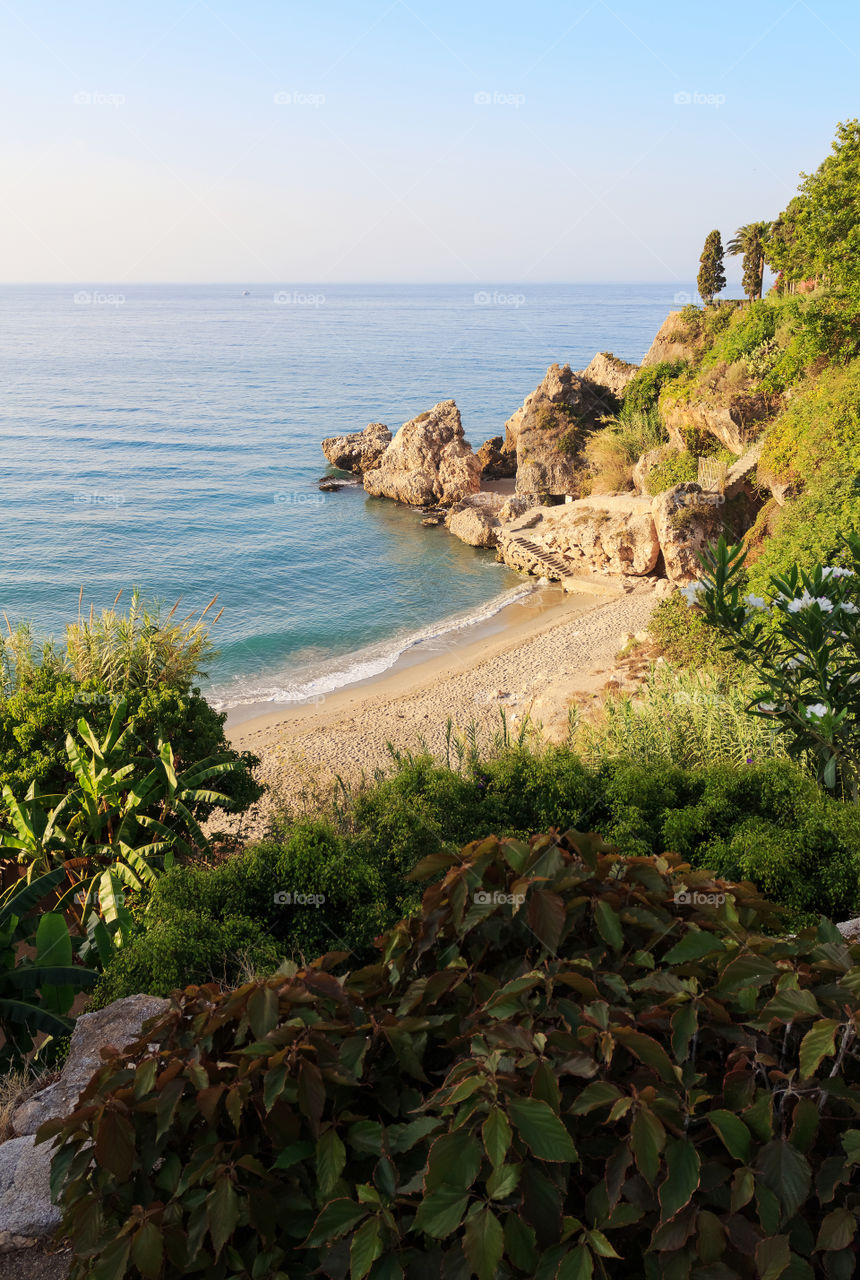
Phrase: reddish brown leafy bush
(560, 1069)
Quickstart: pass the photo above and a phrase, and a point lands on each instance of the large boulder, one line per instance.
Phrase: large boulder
(118, 1024)
(428, 462)
(607, 373)
(25, 1188)
(359, 451)
(475, 520)
(645, 465)
(548, 430)
(686, 520)
(496, 462)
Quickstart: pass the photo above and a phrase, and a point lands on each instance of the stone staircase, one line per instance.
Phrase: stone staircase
(557, 568)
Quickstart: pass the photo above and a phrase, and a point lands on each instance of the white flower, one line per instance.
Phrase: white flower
(692, 591)
(833, 571)
(797, 661)
(756, 602)
(806, 601)
(767, 706)
(817, 711)
(847, 607)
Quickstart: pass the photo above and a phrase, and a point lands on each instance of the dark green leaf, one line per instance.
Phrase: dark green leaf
(541, 1130)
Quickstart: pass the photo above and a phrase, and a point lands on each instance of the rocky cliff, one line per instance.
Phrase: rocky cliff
(549, 428)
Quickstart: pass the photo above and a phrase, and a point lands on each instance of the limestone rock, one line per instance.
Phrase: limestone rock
(25, 1188)
(517, 505)
(606, 371)
(547, 431)
(850, 929)
(616, 537)
(673, 342)
(428, 461)
(359, 451)
(735, 420)
(475, 525)
(647, 462)
(686, 520)
(496, 464)
(117, 1024)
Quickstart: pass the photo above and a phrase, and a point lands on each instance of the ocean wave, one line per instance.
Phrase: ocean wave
(311, 684)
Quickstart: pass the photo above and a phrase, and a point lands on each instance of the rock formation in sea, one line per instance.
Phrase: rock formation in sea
(608, 372)
(428, 461)
(360, 451)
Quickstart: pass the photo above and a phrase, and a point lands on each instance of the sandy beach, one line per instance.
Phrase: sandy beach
(534, 660)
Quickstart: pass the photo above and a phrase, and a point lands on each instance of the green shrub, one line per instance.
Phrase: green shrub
(675, 468)
(685, 638)
(643, 390)
(188, 946)
(808, 860)
(572, 1062)
(36, 718)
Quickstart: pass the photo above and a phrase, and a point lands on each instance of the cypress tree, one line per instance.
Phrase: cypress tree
(711, 278)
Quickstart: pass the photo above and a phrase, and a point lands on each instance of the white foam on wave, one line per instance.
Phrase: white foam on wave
(311, 684)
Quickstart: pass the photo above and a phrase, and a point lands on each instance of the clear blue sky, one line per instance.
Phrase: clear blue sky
(391, 141)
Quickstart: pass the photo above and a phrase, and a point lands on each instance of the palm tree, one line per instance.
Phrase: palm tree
(750, 241)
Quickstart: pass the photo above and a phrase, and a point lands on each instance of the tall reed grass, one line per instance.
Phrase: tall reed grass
(141, 647)
(612, 452)
(682, 718)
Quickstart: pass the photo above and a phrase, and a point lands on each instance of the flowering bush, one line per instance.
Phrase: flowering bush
(804, 645)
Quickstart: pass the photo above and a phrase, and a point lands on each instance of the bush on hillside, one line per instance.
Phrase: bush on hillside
(643, 390)
(572, 1061)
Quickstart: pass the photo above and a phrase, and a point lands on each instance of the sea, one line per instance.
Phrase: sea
(167, 437)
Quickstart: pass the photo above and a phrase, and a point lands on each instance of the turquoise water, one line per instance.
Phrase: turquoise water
(168, 437)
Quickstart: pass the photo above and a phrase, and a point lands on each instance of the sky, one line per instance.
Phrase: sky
(480, 141)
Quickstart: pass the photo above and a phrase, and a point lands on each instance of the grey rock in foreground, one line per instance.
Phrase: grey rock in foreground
(117, 1024)
(25, 1199)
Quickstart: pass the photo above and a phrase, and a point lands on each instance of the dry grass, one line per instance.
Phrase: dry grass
(613, 452)
(15, 1088)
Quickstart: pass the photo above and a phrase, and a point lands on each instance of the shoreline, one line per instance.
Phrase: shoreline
(533, 667)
